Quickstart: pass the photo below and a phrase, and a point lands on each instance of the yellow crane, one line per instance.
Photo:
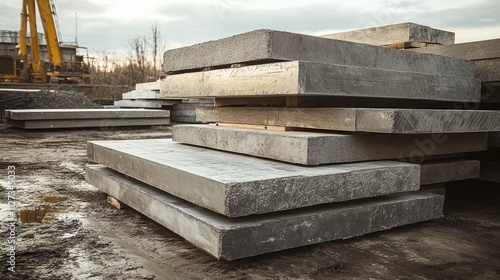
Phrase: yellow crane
(56, 66)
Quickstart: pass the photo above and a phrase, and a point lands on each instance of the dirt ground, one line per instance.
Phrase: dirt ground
(82, 237)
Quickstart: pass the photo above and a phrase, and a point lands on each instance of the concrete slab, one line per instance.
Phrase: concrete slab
(79, 123)
(267, 45)
(235, 238)
(448, 171)
(298, 78)
(488, 70)
(144, 103)
(313, 148)
(71, 114)
(396, 33)
(490, 171)
(494, 139)
(182, 119)
(487, 49)
(490, 92)
(148, 86)
(141, 94)
(236, 185)
(399, 121)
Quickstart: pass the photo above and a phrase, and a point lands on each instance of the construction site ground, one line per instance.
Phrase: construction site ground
(81, 236)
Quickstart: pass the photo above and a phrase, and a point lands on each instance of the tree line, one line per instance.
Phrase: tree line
(141, 64)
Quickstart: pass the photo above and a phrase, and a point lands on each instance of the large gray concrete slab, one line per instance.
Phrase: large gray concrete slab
(299, 78)
(396, 33)
(487, 49)
(448, 171)
(234, 238)
(144, 103)
(313, 148)
(68, 114)
(79, 123)
(236, 185)
(265, 45)
(399, 121)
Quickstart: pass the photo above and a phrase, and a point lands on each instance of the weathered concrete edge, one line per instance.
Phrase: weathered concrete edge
(228, 242)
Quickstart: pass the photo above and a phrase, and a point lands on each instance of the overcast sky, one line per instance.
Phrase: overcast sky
(108, 25)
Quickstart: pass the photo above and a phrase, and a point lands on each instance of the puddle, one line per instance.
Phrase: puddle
(55, 199)
(41, 214)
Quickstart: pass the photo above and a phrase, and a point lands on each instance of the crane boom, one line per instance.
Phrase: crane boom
(34, 45)
(50, 32)
(24, 29)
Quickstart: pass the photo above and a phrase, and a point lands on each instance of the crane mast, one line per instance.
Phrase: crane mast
(54, 68)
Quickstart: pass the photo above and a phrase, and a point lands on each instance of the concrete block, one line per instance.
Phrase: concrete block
(208, 101)
(80, 123)
(488, 70)
(298, 78)
(490, 92)
(235, 238)
(141, 94)
(487, 49)
(399, 121)
(313, 148)
(396, 33)
(448, 171)
(148, 86)
(236, 185)
(182, 119)
(144, 103)
(494, 139)
(71, 114)
(490, 171)
(269, 45)
(434, 188)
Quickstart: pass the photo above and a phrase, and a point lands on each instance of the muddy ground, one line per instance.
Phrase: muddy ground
(82, 237)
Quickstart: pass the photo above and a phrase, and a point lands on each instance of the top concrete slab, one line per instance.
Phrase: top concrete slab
(236, 185)
(396, 33)
(148, 86)
(67, 114)
(487, 49)
(141, 94)
(266, 45)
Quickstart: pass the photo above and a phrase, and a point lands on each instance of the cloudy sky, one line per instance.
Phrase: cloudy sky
(108, 25)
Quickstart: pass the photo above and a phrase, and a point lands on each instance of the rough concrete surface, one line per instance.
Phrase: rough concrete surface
(141, 94)
(396, 33)
(67, 114)
(300, 78)
(76, 123)
(85, 237)
(148, 86)
(236, 185)
(399, 121)
(144, 103)
(449, 170)
(313, 148)
(265, 45)
(487, 49)
(488, 70)
(230, 239)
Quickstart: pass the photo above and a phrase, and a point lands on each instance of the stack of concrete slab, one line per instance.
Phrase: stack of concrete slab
(147, 96)
(283, 163)
(400, 36)
(486, 58)
(77, 118)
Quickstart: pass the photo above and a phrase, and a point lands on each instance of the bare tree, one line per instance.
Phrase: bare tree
(158, 44)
